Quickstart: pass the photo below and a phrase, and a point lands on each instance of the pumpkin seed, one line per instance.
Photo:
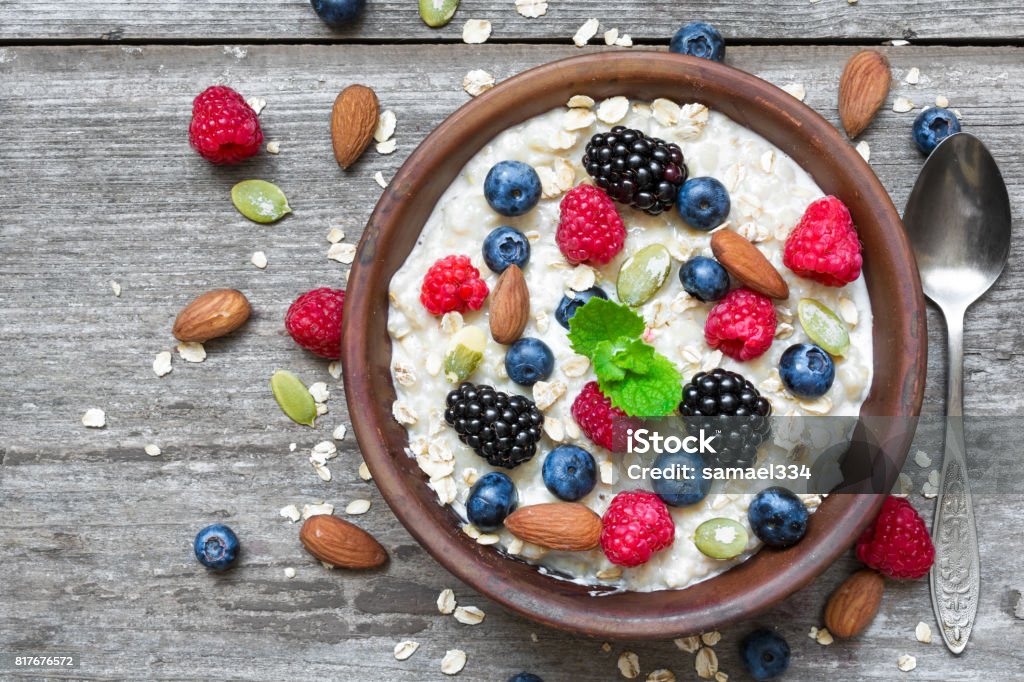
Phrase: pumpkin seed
(293, 397)
(260, 201)
(464, 354)
(721, 538)
(437, 13)
(642, 274)
(823, 326)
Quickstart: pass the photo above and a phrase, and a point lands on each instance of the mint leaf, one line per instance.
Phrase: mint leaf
(654, 393)
(635, 356)
(604, 360)
(601, 320)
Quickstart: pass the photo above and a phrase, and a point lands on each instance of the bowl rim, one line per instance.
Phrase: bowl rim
(770, 575)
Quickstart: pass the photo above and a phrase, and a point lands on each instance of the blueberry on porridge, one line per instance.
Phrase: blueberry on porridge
(607, 262)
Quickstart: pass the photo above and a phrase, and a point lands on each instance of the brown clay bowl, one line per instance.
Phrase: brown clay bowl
(892, 279)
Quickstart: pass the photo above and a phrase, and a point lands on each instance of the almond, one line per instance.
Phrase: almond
(510, 306)
(564, 526)
(863, 88)
(353, 120)
(853, 606)
(340, 543)
(747, 264)
(215, 313)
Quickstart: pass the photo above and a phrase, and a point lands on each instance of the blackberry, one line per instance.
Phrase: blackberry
(503, 429)
(728, 405)
(635, 169)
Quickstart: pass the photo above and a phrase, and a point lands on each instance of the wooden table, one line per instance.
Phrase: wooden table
(99, 184)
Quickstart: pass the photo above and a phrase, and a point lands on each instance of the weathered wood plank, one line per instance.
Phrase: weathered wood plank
(99, 184)
(398, 20)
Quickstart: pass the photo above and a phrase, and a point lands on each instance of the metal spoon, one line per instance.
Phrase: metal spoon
(958, 220)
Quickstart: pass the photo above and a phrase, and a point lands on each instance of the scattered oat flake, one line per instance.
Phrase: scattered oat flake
(273, 147)
(796, 90)
(316, 509)
(942, 101)
(476, 31)
(706, 663)
(477, 82)
(624, 40)
(864, 150)
(661, 675)
(824, 637)
(469, 615)
(115, 286)
(629, 665)
(335, 235)
(357, 507)
(259, 259)
(364, 472)
(191, 351)
(613, 109)
(162, 363)
(153, 450)
(531, 9)
(578, 118)
(258, 104)
(454, 659)
(289, 572)
(923, 633)
(913, 76)
(607, 473)
(488, 539)
(404, 650)
(385, 126)
(587, 31)
(290, 512)
(612, 573)
(546, 393)
(906, 663)
(711, 638)
(334, 369)
(690, 645)
(342, 253)
(378, 177)
(580, 102)
(610, 36)
(446, 601)
(922, 459)
(387, 147)
(902, 105)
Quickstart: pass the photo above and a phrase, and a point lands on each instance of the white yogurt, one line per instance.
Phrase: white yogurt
(769, 193)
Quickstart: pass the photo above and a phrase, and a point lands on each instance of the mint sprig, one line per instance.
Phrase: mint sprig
(635, 377)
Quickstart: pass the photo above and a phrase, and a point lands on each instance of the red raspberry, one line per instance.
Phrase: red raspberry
(452, 283)
(224, 127)
(636, 525)
(897, 543)
(589, 228)
(824, 246)
(314, 321)
(742, 325)
(605, 425)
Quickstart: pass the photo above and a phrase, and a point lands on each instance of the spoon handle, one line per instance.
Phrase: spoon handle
(956, 577)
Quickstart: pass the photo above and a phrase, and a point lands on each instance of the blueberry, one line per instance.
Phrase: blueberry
(932, 126)
(681, 492)
(338, 12)
(699, 39)
(765, 654)
(525, 677)
(216, 547)
(569, 472)
(568, 306)
(807, 370)
(512, 187)
(528, 361)
(506, 246)
(704, 278)
(703, 203)
(778, 517)
(491, 499)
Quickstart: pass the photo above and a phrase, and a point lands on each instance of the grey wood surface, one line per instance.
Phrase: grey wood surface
(99, 184)
(398, 20)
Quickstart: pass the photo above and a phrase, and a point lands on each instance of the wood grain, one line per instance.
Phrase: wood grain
(99, 184)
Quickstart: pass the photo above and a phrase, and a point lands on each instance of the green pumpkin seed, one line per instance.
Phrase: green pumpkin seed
(437, 13)
(721, 538)
(464, 354)
(260, 201)
(642, 274)
(823, 326)
(293, 397)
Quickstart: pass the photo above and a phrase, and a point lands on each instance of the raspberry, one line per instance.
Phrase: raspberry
(742, 325)
(589, 228)
(636, 525)
(314, 321)
(224, 127)
(824, 246)
(602, 423)
(897, 543)
(452, 283)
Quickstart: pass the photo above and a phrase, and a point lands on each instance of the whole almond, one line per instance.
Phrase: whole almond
(863, 88)
(853, 605)
(340, 543)
(353, 120)
(510, 306)
(567, 526)
(215, 313)
(745, 262)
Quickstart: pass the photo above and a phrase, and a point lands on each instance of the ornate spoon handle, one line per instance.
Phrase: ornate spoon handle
(956, 576)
